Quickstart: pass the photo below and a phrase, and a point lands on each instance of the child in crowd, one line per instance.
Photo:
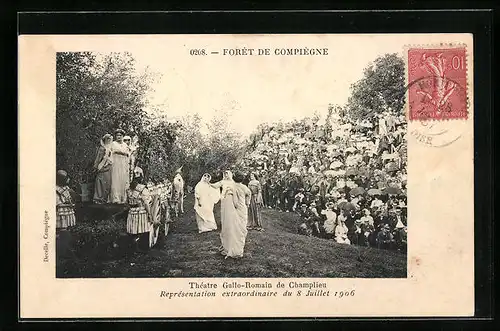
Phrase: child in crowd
(384, 238)
(331, 219)
(341, 230)
(65, 213)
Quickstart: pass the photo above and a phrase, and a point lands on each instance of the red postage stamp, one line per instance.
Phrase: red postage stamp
(437, 83)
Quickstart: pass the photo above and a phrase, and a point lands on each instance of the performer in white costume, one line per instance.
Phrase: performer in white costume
(205, 199)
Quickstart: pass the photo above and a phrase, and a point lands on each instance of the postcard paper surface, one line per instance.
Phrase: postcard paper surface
(246, 175)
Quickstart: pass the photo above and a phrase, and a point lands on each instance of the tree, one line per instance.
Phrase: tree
(96, 94)
(157, 149)
(381, 89)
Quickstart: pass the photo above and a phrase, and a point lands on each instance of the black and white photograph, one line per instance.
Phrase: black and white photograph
(283, 171)
(272, 175)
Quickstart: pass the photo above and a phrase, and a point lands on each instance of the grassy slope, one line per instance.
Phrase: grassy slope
(277, 252)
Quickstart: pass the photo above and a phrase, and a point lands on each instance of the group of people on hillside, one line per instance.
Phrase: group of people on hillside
(240, 209)
(336, 172)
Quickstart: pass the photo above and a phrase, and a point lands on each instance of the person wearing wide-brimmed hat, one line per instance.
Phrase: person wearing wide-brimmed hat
(120, 169)
(205, 199)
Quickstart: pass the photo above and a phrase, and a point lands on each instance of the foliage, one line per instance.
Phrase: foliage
(97, 94)
(381, 88)
(155, 154)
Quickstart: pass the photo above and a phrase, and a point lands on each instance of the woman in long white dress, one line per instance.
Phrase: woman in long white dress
(229, 217)
(120, 169)
(205, 199)
(238, 228)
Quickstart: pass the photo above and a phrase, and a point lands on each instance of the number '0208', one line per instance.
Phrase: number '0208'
(197, 52)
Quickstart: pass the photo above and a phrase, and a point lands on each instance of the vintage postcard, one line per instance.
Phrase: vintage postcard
(174, 176)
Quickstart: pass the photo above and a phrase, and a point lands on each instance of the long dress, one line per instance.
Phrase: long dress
(119, 172)
(204, 211)
(341, 234)
(236, 228)
(228, 215)
(102, 187)
(254, 219)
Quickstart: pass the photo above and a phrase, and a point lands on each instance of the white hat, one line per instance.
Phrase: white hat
(138, 172)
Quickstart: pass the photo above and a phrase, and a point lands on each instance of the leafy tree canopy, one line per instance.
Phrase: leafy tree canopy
(381, 89)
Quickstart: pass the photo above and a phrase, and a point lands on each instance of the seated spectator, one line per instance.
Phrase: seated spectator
(314, 219)
(299, 198)
(385, 239)
(331, 219)
(341, 232)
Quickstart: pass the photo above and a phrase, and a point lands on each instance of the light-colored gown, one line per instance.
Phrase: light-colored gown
(237, 229)
(330, 222)
(208, 197)
(103, 165)
(231, 241)
(227, 210)
(119, 172)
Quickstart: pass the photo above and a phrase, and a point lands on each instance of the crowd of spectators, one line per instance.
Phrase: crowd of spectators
(345, 178)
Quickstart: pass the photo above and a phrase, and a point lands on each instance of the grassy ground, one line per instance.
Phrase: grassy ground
(277, 252)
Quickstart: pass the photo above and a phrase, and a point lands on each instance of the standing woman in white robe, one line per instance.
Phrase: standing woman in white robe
(228, 211)
(205, 199)
(238, 228)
